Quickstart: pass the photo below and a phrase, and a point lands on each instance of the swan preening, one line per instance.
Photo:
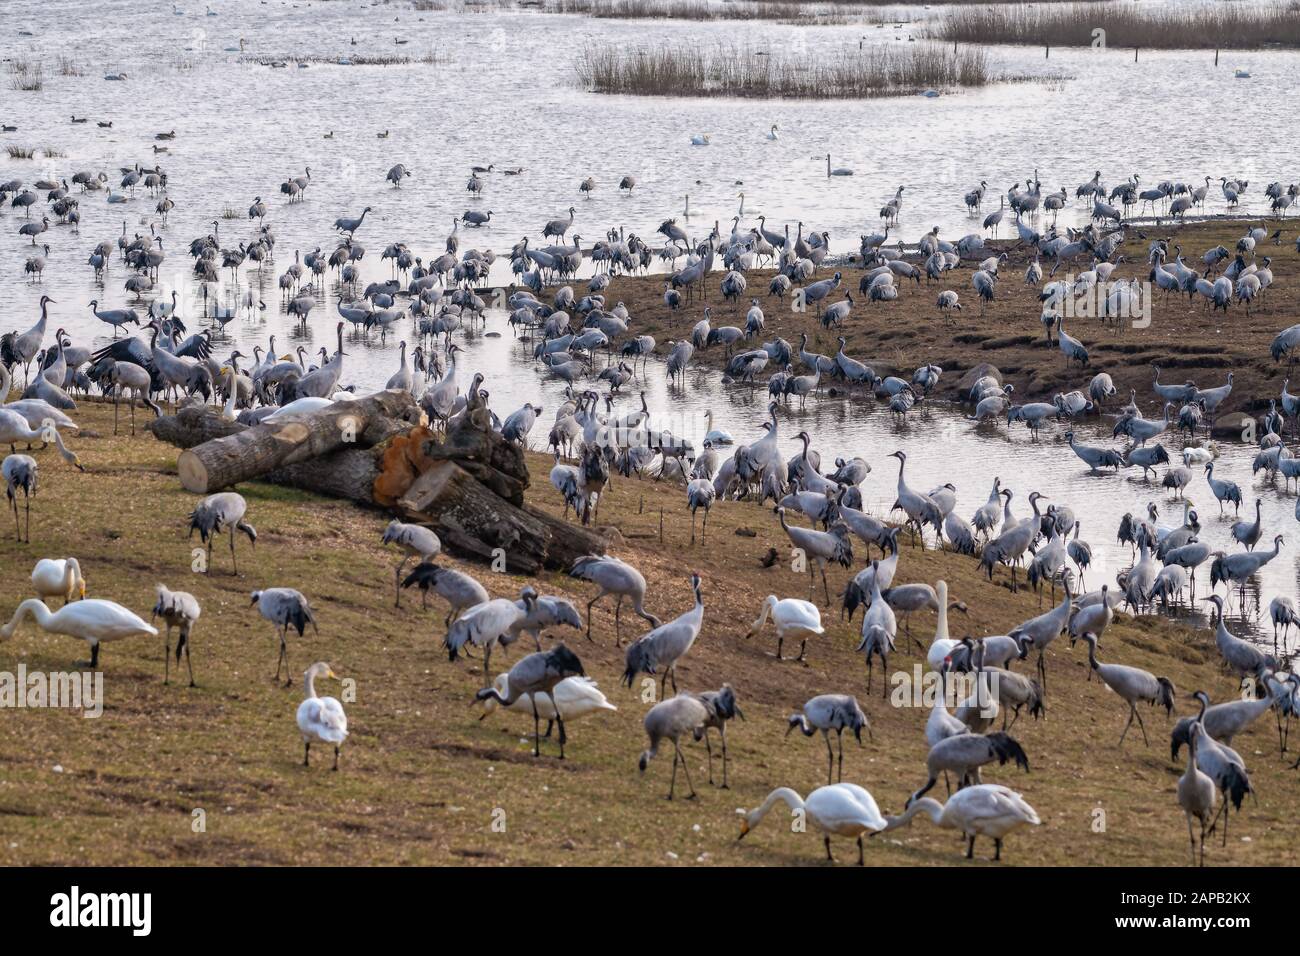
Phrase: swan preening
(58, 577)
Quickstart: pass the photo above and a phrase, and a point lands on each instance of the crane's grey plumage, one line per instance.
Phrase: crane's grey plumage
(722, 707)
(1133, 685)
(665, 645)
(458, 589)
(222, 512)
(827, 712)
(285, 607)
(538, 674)
(964, 754)
(416, 541)
(669, 719)
(20, 474)
(615, 577)
(178, 609)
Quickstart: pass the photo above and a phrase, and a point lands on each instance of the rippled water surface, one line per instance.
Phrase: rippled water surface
(501, 90)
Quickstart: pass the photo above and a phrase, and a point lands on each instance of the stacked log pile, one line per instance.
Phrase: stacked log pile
(467, 485)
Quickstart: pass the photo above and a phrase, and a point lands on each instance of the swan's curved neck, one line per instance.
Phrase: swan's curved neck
(927, 805)
(33, 607)
(792, 800)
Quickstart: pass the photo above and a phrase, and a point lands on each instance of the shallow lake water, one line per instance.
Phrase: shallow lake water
(501, 89)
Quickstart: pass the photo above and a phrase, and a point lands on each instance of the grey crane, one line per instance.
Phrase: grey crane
(919, 508)
(1247, 533)
(722, 707)
(879, 628)
(1225, 721)
(1044, 629)
(1010, 546)
(666, 644)
(351, 225)
(964, 754)
(538, 673)
(700, 493)
(827, 712)
(114, 317)
(1282, 611)
(25, 345)
(1197, 796)
(1223, 765)
(616, 577)
(222, 512)
(486, 625)
(415, 541)
(396, 174)
(518, 424)
(540, 612)
(284, 607)
(1132, 684)
(178, 609)
(1237, 568)
(1093, 456)
(19, 473)
(669, 719)
(821, 547)
(458, 589)
(1241, 657)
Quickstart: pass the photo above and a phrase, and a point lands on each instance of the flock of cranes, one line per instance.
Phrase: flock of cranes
(169, 367)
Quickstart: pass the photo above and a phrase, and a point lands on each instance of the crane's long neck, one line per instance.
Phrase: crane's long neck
(792, 800)
(927, 805)
(32, 607)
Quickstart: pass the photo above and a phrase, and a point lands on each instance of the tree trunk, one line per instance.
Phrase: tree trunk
(252, 452)
(470, 518)
(191, 425)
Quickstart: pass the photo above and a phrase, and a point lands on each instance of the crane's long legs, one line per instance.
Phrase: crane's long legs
(167, 655)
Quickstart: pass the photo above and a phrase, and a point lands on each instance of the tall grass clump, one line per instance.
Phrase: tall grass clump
(1220, 26)
(733, 71)
(27, 76)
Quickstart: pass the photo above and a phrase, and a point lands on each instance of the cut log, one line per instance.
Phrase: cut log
(469, 518)
(253, 452)
(192, 425)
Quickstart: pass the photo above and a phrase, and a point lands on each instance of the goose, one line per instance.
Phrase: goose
(986, 809)
(320, 719)
(58, 577)
(841, 809)
(793, 618)
(92, 620)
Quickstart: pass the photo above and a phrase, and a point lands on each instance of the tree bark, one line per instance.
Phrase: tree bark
(468, 517)
(254, 451)
(191, 425)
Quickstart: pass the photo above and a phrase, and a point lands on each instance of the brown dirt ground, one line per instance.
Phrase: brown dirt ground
(422, 776)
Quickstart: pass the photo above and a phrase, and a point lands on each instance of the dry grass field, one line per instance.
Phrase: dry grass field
(424, 781)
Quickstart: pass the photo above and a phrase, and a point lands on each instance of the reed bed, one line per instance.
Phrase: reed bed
(20, 152)
(1222, 26)
(734, 71)
(786, 11)
(431, 58)
(27, 76)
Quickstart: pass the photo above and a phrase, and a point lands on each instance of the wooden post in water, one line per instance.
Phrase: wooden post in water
(1135, 54)
(687, 212)
(1047, 53)
(1216, 57)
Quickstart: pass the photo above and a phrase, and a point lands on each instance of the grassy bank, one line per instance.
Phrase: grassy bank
(899, 337)
(1217, 26)
(732, 71)
(423, 780)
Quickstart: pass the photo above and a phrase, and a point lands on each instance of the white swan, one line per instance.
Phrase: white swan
(321, 719)
(700, 139)
(841, 171)
(719, 436)
(942, 644)
(58, 577)
(794, 619)
(300, 405)
(771, 134)
(842, 809)
(984, 809)
(577, 697)
(92, 620)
